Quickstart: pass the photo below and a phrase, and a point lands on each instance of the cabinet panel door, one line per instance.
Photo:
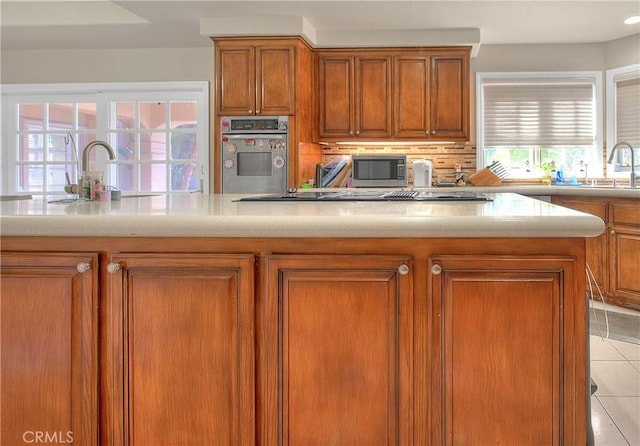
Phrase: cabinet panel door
(236, 80)
(335, 96)
(449, 97)
(338, 351)
(411, 96)
(48, 348)
(597, 247)
(625, 266)
(275, 79)
(500, 331)
(373, 96)
(188, 348)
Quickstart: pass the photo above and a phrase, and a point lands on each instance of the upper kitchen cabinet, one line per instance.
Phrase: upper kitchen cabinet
(256, 76)
(393, 93)
(431, 95)
(353, 95)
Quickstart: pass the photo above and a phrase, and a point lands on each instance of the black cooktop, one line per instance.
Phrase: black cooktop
(402, 195)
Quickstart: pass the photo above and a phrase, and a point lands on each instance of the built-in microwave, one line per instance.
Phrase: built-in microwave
(379, 170)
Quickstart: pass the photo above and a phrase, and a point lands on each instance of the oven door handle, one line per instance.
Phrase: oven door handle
(254, 136)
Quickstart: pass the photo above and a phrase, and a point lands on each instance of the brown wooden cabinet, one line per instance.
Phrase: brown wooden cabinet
(614, 256)
(431, 95)
(184, 326)
(500, 339)
(450, 96)
(354, 95)
(339, 352)
(624, 248)
(255, 78)
(48, 348)
(392, 93)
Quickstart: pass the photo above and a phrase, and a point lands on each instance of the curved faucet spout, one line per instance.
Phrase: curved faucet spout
(634, 179)
(87, 151)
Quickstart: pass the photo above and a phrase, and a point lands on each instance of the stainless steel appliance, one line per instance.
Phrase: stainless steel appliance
(254, 154)
(379, 170)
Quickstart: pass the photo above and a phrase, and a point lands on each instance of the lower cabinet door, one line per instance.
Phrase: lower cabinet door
(625, 265)
(48, 348)
(509, 368)
(337, 351)
(187, 349)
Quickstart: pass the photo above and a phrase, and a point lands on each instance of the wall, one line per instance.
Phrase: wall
(112, 65)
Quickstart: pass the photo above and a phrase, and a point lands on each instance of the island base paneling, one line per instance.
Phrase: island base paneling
(338, 350)
(318, 327)
(48, 348)
(501, 323)
(183, 326)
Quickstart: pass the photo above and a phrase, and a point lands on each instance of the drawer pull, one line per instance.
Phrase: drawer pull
(83, 267)
(436, 270)
(403, 269)
(113, 267)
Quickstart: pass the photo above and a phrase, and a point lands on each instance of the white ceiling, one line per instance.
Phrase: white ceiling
(82, 24)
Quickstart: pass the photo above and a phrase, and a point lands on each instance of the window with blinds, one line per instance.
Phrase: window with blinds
(628, 111)
(527, 119)
(623, 117)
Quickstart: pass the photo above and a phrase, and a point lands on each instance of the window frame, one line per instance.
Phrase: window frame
(611, 112)
(102, 94)
(596, 167)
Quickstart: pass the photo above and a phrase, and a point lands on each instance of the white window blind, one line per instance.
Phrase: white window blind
(540, 112)
(628, 111)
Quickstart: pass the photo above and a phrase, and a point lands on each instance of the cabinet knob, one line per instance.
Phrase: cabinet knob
(403, 269)
(351, 132)
(358, 132)
(433, 132)
(436, 269)
(113, 267)
(257, 112)
(83, 267)
(613, 232)
(249, 111)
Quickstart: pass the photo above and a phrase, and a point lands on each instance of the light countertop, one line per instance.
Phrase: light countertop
(196, 215)
(582, 191)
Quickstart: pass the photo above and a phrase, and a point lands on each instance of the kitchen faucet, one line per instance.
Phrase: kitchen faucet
(87, 150)
(634, 179)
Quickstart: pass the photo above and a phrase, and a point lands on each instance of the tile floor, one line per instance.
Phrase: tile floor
(615, 406)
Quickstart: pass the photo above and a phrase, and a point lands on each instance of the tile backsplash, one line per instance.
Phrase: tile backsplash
(444, 157)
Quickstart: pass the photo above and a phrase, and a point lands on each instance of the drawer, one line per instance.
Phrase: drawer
(599, 209)
(625, 214)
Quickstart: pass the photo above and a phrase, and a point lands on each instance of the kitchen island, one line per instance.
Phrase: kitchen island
(200, 320)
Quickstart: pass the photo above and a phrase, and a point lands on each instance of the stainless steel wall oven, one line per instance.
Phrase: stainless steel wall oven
(254, 154)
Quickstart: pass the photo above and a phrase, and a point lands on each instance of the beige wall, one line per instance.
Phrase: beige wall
(176, 64)
(559, 57)
(112, 65)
